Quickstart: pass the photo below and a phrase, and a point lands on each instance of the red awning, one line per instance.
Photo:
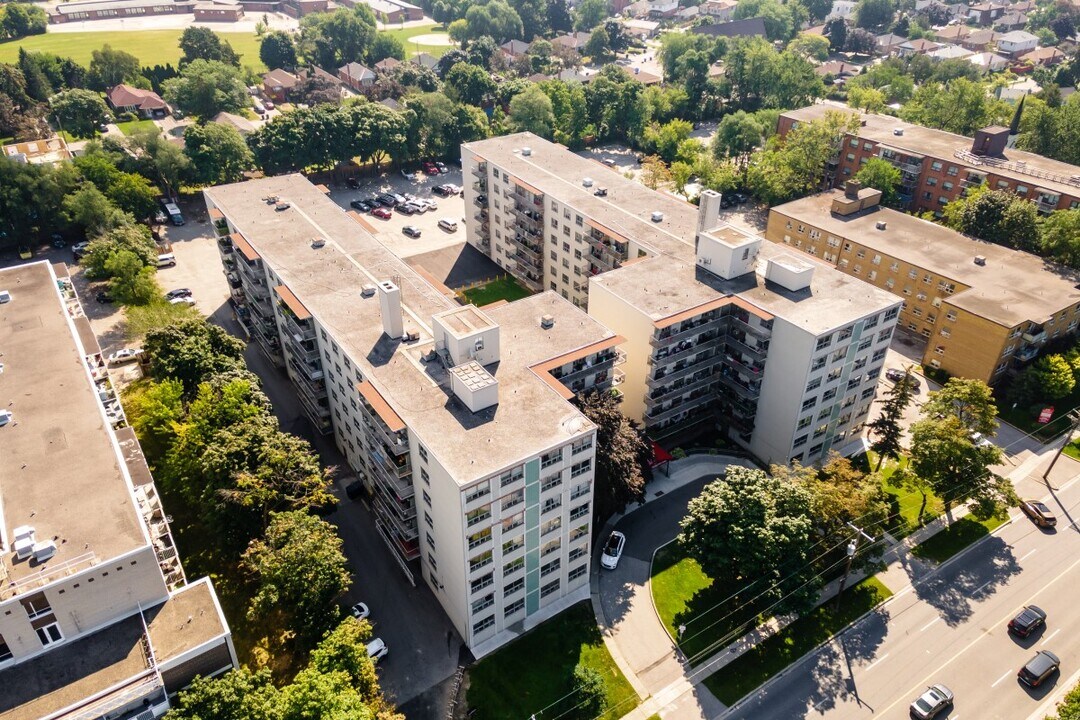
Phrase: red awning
(659, 455)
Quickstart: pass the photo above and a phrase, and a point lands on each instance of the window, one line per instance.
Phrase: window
(825, 397)
(813, 384)
(5, 651)
(804, 423)
(427, 498)
(552, 481)
(579, 532)
(548, 568)
(514, 498)
(577, 572)
(478, 539)
(514, 608)
(512, 522)
(514, 544)
(551, 526)
(807, 404)
(483, 603)
(580, 490)
(36, 606)
(423, 452)
(579, 512)
(478, 515)
(431, 561)
(578, 552)
(511, 477)
(799, 441)
(425, 476)
(484, 558)
(49, 634)
(824, 342)
(515, 586)
(430, 540)
(817, 364)
(580, 468)
(428, 520)
(513, 566)
(549, 589)
(551, 504)
(549, 459)
(479, 627)
(550, 547)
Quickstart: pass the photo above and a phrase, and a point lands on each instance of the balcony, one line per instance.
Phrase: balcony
(742, 366)
(657, 414)
(684, 350)
(762, 331)
(1035, 336)
(300, 330)
(225, 245)
(582, 369)
(708, 366)
(404, 529)
(1026, 353)
(755, 348)
(480, 186)
(530, 282)
(404, 548)
(318, 414)
(480, 171)
(527, 198)
(741, 387)
(396, 443)
(668, 336)
(402, 487)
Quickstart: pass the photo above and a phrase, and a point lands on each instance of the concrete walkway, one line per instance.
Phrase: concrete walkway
(683, 697)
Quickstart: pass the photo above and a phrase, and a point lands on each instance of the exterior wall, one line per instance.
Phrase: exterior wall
(86, 601)
(637, 329)
(443, 551)
(969, 346)
(107, 14)
(219, 14)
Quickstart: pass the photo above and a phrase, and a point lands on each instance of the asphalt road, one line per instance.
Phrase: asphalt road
(951, 629)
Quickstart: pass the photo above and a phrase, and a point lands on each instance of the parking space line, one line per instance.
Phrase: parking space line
(1026, 555)
(1007, 674)
(929, 623)
(1050, 637)
(871, 665)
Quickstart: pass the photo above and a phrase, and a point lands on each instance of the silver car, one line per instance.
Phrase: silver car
(930, 703)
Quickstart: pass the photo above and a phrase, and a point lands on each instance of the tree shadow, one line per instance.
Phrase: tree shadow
(833, 668)
(954, 590)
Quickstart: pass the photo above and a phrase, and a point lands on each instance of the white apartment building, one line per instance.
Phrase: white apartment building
(781, 352)
(455, 418)
(97, 619)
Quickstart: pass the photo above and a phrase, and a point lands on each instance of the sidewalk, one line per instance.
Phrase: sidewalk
(686, 698)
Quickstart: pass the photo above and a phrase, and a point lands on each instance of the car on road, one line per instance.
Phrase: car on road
(1038, 668)
(1038, 512)
(407, 174)
(360, 611)
(609, 162)
(360, 205)
(376, 649)
(428, 203)
(429, 168)
(353, 182)
(448, 224)
(178, 292)
(411, 230)
(1028, 620)
(382, 212)
(124, 355)
(441, 167)
(896, 375)
(166, 260)
(930, 703)
(609, 560)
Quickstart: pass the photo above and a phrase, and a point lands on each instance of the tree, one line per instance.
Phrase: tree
(886, 427)
(836, 30)
(344, 649)
(133, 194)
(109, 67)
(192, 351)
(754, 532)
(781, 20)
(960, 106)
(1059, 238)
(737, 134)
(590, 13)
(207, 87)
(155, 413)
(300, 571)
(1051, 377)
(469, 84)
(874, 14)
(969, 401)
(130, 238)
(277, 50)
(21, 19)
(130, 281)
(818, 9)
(622, 456)
(218, 153)
(811, 47)
(202, 43)
(997, 216)
(331, 39)
(558, 13)
(385, 46)
(867, 99)
(841, 496)
(494, 18)
(157, 158)
(90, 209)
(884, 176)
(239, 694)
(79, 112)
(793, 166)
(655, 172)
(532, 111)
(590, 693)
(1050, 131)
(664, 140)
(533, 14)
(599, 45)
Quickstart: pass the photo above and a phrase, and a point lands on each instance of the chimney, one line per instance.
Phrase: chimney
(852, 188)
(390, 307)
(708, 210)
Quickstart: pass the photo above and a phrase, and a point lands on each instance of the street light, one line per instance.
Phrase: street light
(852, 548)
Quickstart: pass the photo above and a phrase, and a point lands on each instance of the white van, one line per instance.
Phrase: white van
(448, 224)
(166, 260)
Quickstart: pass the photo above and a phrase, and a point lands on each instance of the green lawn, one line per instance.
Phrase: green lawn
(411, 48)
(130, 127)
(504, 288)
(1073, 450)
(152, 47)
(535, 672)
(750, 670)
(905, 503)
(943, 545)
(684, 595)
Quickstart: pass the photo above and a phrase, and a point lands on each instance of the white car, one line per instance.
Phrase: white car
(125, 355)
(609, 560)
(187, 300)
(360, 611)
(376, 649)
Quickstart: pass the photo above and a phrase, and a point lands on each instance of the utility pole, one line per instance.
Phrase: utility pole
(852, 548)
(1074, 418)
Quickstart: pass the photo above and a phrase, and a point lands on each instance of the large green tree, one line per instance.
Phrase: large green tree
(79, 112)
(781, 19)
(469, 84)
(1059, 237)
(131, 282)
(532, 111)
(130, 238)
(737, 134)
(874, 14)
(886, 429)
(109, 67)
(969, 401)
(590, 13)
(202, 43)
(794, 166)
(191, 352)
(19, 19)
(881, 175)
(207, 87)
(960, 106)
(88, 208)
(299, 570)
(756, 533)
(996, 216)
(218, 153)
(1052, 131)
(277, 50)
(332, 39)
(622, 456)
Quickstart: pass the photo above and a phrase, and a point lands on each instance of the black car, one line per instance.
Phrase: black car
(441, 191)
(406, 209)
(387, 200)
(360, 205)
(372, 200)
(1030, 619)
(354, 183)
(442, 167)
(1038, 668)
(741, 198)
(896, 375)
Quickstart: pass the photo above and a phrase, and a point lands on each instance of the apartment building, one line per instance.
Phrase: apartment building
(97, 619)
(937, 166)
(456, 418)
(982, 308)
(719, 327)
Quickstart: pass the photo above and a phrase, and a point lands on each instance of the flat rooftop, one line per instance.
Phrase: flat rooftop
(61, 469)
(920, 140)
(113, 657)
(628, 207)
(1011, 288)
(662, 287)
(328, 281)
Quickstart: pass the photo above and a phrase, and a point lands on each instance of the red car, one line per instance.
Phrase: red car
(430, 168)
(381, 212)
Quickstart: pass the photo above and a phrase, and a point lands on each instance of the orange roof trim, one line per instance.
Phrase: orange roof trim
(606, 230)
(527, 186)
(245, 247)
(712, 305)
(216, 214)
(381, 407)
(292, 302)
(543, 370)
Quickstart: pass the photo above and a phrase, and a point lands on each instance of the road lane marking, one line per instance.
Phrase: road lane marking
(1007, 674)
(871, 665)
(975, 592)
(1050, 637)
(1026, 555)
(929, 623)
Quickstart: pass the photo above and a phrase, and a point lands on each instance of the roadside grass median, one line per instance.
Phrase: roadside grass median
(750, 670)
(942, 545)
(534, 675)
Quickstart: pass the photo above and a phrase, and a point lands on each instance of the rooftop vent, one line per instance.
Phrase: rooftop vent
(547, 322)
(317, 242)
(898, 131)
(411, 334)
(44, 550)
(980, 260)
(281, 206)
(526, 151)
(367, 290)
(5, 296)
(657, 216)
(880, 225)
(587, 182)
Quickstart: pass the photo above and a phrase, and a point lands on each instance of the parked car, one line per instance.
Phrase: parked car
(166, 260)
(1038, 668)
(268, 104)
(429, 168)
(376, 649)
(448, 224)
(418, 205)
(103, 297)
(1028, 620)
(79, 249)
(353, 182)
(186, 300)
(372, 200)
(442, 190)
(930, 703)
(407, 174)
(25, 253)
(382, 212)
(388, 200)
(360, 611)
(896, 375)
(360, 205)
(123, 356)
(160, 217)
(399, 198)
(609, 162)
(411, 230)
(428, 203)
(613, 550)
(406, 209)
(441, 167)
(741, 198)
(178, 292)
(1038, 512)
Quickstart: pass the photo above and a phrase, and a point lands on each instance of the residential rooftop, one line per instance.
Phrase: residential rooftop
(61, 468)
(1025, 167)
(1010, 288)
(662, 287)
(328, 282)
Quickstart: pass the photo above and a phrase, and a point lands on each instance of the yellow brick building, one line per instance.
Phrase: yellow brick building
(982, 308)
